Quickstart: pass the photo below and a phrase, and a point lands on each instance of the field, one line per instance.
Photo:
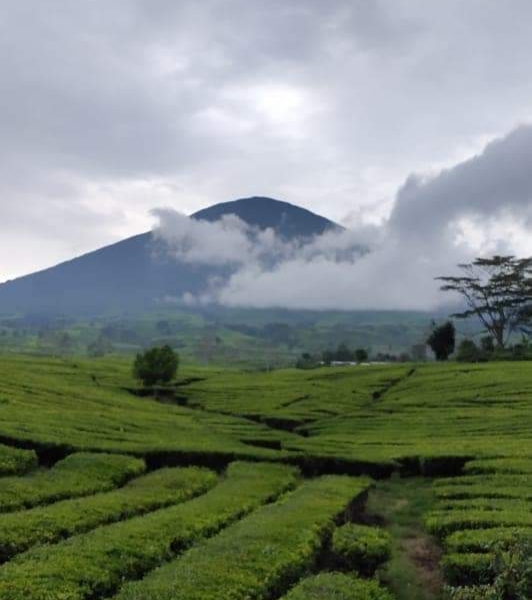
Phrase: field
(217, 336)
(358, 483)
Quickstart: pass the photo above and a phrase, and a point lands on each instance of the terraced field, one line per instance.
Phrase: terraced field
(238, 485)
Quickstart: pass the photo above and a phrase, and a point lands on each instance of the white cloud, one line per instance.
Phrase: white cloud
(478, 207)
(327, 104)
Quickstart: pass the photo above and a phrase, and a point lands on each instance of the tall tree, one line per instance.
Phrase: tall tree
(497, 290)
(442, 340)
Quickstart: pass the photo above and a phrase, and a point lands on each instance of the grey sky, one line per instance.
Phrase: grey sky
(110, 109)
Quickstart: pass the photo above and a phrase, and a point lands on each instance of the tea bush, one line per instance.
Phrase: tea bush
(259, 556)
(360, 548)
(337, 586)
(14, 461)
(19, 531)
(96, 563)
(76, 475)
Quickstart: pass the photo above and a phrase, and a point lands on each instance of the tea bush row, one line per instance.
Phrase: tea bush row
(360, 548)
(95, 564)
(499, 465)
(443, 523)
(484, 540)
(481, 517)
(19, 531)
(486, 486)
(337, 586)
(259, 556)
(77, 475)
(467, 568)
(14, 461)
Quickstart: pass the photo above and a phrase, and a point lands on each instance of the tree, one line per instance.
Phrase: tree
(156, 365)
(498, 291)
(486, 345)
(468, 351)
(327, 356)
(442, 340)
(343, 353)
(361, 355)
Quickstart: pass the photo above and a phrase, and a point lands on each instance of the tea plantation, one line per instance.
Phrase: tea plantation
(411, 482)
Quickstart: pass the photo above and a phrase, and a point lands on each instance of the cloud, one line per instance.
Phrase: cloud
(480, 206)
(112, 108)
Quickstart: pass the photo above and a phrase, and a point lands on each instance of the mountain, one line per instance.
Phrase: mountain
(135, 274)
(288, 221)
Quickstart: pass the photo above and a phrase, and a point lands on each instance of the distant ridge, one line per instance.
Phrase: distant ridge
(133, 275)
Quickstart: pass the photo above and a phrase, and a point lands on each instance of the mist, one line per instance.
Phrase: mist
(478, 207)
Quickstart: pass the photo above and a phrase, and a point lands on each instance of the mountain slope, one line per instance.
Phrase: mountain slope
(288, 220)
(135, 274)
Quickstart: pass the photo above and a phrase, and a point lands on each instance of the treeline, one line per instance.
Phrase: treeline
(342, 354)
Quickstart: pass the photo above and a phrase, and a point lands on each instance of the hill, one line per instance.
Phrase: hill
(135, 275)
(233, 484)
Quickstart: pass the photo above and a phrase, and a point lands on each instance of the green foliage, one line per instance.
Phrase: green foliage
(468, 351)
(471, 592)
(484, 540)
(486, 523)
(417, 419)
(430, 419)
(445, 522)
(14, 461)
(259, 556)
(343, 353)
(156, 365)
(497, 291)
(95, 564)
(442, 340)
(307, 361)
(360, 548)
(361, 355)
(76, 475)
(487, 345)
(513, 569)
(158, 489)
(504, 574)
(337, 586)
(499, 465)
(468, 569)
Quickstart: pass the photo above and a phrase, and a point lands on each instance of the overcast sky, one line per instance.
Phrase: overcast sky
(110, 109)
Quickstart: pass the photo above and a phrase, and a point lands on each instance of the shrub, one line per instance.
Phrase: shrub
(95, 564)
(483, 540)
(508, 573)
(164, 487)
(468, 569)
(156, 365)
(468, 351)
(361, 355)
(337, 586)
(259, 556)
(14, 461)
(77, 475)
(473, 592)
(360, 548)
(443, 523)
(513, 569)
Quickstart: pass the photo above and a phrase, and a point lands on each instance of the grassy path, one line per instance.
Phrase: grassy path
(399, 505)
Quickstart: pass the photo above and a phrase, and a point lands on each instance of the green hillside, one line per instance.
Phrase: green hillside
(119, 483)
